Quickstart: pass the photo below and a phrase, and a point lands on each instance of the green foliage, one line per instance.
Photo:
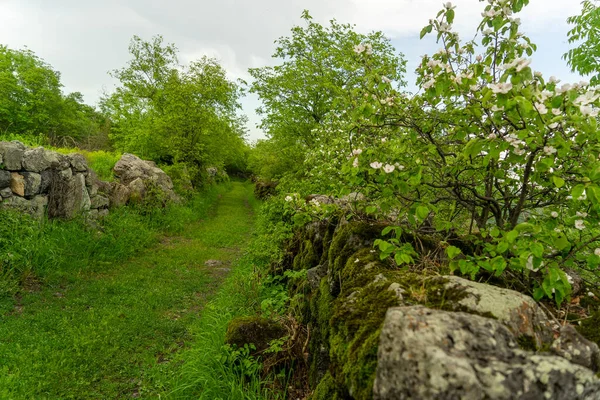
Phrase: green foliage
(318, 76)
(585, 57)
(32, 103)
(172, 113)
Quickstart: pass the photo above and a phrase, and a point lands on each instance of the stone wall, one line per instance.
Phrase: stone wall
(378, 331)
(40, 181)
(34, 180)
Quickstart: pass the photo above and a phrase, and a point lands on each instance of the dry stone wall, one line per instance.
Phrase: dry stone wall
(380, 332)
(39, 181)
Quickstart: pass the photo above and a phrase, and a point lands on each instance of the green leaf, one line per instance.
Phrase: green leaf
(537, 249)
(577, 191)
(512, 236)
(558, 181)
(452, 252)
(422, 212)
(498, 265)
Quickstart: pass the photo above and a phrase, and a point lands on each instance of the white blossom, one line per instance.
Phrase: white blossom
(501, 87)
(357, 152)
(429, 84)
(355, 163)
(368, 49)
(553, 79)
(580, 224)
(588, 111)
(556, 111)
(479, 58)
(385, 79)
(376, 165)
(549, 150)
(597, 251)
(492, 136)
(553, 125)
(541, 108)
(495, 108)
(449, 6)
(564, 88)
(288, 198)
(554, 214)
(359, 48)
(388, 169)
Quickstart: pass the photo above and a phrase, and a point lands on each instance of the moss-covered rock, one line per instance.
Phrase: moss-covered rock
(254, 330)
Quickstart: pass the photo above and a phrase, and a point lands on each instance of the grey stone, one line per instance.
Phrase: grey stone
(12, 155)
(129, 168)
(4, 179)
(17, 184)
(68, 196)
(47, 177)
(6, 192)
(102, 213)
(577, 349)
(119, 195)
(314, 276)
(35, 207)
(213, 263)
(137, 189)
(519, 312)
(99, 201)
(432, 354)
(93, 214)
(78, 162)
(33, 182)
(319, 199)
(65, 174)
(37, 160)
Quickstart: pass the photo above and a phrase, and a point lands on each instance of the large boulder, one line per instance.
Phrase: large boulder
(131, 168)
(78, 162)
(119, 194)
(433, 354)
(577, 349)
(518, 312)
(12, 155)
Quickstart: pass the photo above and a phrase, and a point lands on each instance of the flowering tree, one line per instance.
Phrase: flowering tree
(489, 150)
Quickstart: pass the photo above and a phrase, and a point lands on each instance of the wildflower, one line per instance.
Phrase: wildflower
(554, 214)
(581, 214)
(385, 79)
(500, 87)
(495, 108)
(357, 152)
(597, 251)
(553, 125)
(556, 111)
(288, 198)
(580, 224)
(492, 136)
(479, 58)
(383, 140)
(444, 27)
(388, 169)
(376, 165)
(549, 150)
(355, 163)
(553, 79)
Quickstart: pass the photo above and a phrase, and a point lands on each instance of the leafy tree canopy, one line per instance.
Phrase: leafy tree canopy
(585, 57)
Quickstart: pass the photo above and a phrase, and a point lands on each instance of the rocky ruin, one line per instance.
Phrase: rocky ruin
(40, 181)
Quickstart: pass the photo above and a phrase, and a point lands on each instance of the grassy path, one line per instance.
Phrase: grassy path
(112, 331)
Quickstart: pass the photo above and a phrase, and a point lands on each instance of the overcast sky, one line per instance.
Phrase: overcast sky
(84, 39)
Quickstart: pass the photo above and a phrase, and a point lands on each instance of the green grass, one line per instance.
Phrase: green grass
(88, 323)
